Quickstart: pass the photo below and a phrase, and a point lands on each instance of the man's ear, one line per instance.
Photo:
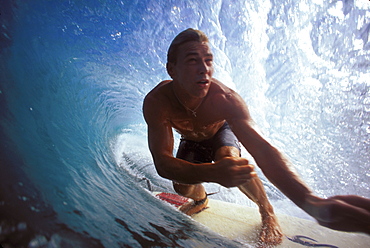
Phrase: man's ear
(170, 69)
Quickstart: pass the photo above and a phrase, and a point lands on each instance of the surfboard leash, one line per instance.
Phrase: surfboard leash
(202, 201)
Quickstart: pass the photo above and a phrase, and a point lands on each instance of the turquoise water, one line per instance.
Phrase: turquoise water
(74, 160)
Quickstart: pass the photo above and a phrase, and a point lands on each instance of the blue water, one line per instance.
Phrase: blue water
(74, 161)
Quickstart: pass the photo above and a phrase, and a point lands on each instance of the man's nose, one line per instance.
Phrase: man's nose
(203, 68)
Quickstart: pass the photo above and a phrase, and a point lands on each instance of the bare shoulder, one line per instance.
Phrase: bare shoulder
(156, 100)
(158, 94)
(159, 90)
(225, 97)
(229, 104)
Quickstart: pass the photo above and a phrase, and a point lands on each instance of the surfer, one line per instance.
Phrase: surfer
(212, 119)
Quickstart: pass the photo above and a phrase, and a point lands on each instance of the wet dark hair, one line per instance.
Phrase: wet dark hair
(183, 37)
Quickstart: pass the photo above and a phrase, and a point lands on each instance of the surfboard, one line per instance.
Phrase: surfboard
(243, 224)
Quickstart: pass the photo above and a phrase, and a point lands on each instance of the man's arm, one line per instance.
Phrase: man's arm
(272, 163)
(346, 213)
(228, 172)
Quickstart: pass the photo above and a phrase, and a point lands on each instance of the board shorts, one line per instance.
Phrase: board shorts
(204, 151)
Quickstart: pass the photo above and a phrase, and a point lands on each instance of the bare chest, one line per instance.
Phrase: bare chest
(196, 129)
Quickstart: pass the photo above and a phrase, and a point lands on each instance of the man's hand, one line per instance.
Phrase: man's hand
(344, 213)
(233, 171)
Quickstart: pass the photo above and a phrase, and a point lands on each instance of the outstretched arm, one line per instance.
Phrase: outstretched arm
(345, 213)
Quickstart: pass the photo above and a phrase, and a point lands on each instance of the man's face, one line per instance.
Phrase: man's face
(194, 68)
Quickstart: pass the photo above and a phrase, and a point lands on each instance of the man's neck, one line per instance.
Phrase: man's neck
(189, 102)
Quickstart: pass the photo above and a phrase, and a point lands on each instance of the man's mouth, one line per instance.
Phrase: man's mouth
(203, 82)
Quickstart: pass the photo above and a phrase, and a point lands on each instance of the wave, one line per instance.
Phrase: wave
(75, 167)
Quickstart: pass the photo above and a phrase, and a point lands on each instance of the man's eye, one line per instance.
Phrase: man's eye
(209, 61)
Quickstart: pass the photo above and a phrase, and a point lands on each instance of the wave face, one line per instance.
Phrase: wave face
(75, 167)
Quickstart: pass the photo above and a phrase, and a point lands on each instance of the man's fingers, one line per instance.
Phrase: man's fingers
(354, 212)
(253, 174)
(240, 161)
(242, 180)
(346, 217)
(237, 171)
(246, 176)
(245, 169)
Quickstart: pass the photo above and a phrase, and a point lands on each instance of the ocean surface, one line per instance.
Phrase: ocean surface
(75, 170)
